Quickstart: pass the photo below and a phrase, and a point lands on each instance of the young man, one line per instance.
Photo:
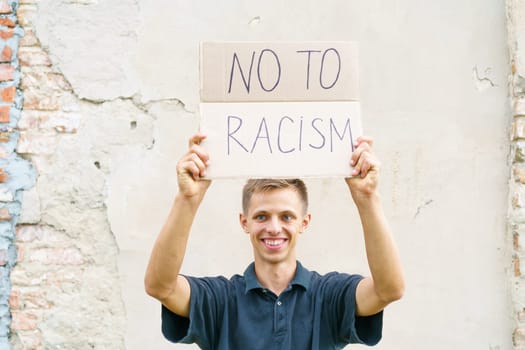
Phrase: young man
(277, 303)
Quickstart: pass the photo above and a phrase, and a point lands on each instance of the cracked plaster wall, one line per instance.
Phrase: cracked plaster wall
(434, 95)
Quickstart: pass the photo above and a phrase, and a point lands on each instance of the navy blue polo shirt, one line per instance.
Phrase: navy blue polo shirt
(314, 312)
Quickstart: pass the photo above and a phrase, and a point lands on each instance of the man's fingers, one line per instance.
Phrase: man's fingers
(192, 163)
(356, 155)
(364, 139)
(200, 152)
(366, 165)
(359, 166)
(196, 159)
(199, 163)
(367, 161)
(196, 139)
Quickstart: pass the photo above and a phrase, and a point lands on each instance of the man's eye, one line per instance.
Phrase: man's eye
(287, 217)
(260, 217)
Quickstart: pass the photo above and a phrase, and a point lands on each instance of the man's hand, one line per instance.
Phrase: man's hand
(365, 175)
(162, 280)
(386, 283)
(191, 168)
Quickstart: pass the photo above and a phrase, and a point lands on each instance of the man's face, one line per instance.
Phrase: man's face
(274, 219)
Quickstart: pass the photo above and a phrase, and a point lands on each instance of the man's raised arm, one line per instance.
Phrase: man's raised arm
(387, 283)
(162, 280)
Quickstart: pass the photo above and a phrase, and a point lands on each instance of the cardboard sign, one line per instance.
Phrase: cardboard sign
(282, 71)
(279, 109)
(283, 139)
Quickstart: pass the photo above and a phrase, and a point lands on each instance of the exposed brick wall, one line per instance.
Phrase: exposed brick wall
(516, 23)
(63, 292)
(16, 174)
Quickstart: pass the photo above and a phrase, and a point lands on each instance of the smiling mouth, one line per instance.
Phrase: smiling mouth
(274, 243)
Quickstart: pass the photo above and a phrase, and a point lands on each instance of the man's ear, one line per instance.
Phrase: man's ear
(243, 222)
(306, 222)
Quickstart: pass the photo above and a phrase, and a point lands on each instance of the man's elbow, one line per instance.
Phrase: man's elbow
(150, 288)
(153, 289)
(394, 293)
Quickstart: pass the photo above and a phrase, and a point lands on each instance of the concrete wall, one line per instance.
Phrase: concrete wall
(111, 96)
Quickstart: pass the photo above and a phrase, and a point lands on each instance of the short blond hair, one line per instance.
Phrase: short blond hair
(265, 185)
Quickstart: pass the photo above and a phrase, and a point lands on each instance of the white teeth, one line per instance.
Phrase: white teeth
(273, 242)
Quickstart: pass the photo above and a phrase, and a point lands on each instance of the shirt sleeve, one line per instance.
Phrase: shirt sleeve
(207, 302)
(349, 327)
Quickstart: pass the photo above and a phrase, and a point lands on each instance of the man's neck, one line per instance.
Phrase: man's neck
(275, 277)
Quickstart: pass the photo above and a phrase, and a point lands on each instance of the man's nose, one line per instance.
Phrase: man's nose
(274, 226)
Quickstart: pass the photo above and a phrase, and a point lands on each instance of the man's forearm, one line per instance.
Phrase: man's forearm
(170, 247)
(381, 251)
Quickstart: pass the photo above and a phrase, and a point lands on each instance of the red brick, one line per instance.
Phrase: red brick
(30, 119)
(24, 278)
(23, 320)
(518, 338)
(8, 94)
(6, 22)
(4, 216)
(44, 234)
(35, 300)
(26, 233)
(29, 38)
(3, 175)
(36, 143)
(4, 114)
(7, 54)
(42, 79)
(7, 72)
(519, 174)
(14, 300)
(57, 81)
(26, 14)
(5, 7)
(57, 256)
(39, 100)
(518, 128)
(6, 34)
(32, 78)
(31, 56)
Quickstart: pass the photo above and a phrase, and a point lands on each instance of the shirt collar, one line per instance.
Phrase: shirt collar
(301, 278)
